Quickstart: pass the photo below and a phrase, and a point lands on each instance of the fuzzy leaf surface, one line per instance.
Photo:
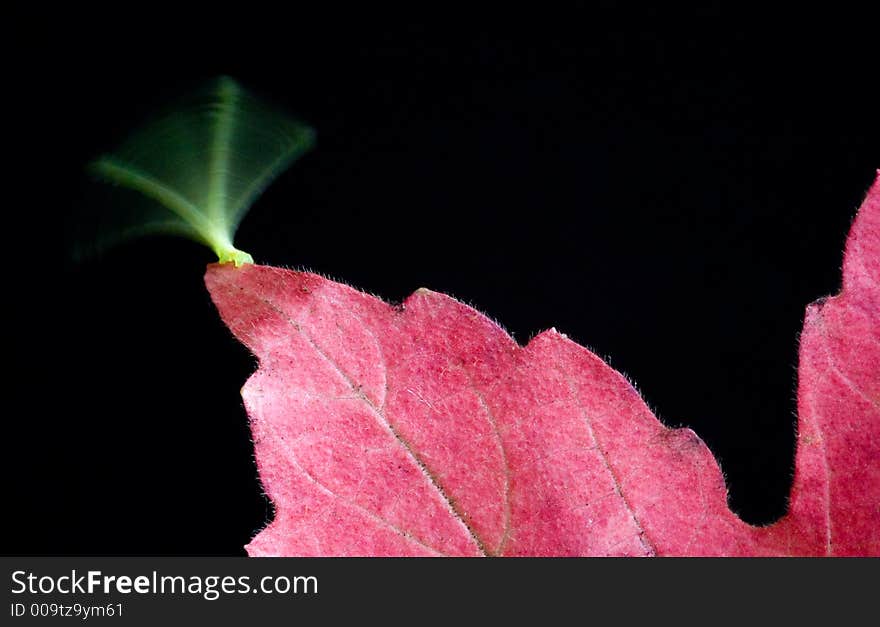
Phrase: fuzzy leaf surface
(425, 429)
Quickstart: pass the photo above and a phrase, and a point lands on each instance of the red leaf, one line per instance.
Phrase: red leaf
(426, 430)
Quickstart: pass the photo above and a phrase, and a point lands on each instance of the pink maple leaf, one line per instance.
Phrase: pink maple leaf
(425, 429)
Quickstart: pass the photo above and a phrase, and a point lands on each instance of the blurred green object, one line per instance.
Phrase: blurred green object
(200, 167)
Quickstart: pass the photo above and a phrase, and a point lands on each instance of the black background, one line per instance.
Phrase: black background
(670, 190)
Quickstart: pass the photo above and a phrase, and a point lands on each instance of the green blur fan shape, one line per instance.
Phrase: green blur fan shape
(200, 167)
